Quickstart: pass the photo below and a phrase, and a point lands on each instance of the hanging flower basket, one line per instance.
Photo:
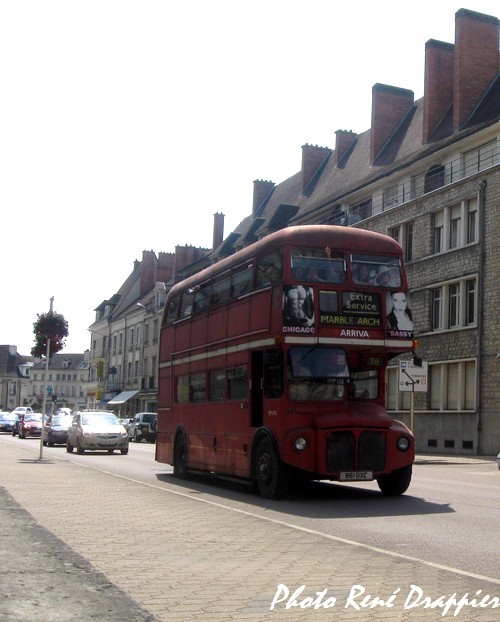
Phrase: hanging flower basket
(49, 327)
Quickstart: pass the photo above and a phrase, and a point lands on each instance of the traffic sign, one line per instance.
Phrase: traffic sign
(412, 377)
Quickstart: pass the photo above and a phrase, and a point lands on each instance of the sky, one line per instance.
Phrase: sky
(126, 125)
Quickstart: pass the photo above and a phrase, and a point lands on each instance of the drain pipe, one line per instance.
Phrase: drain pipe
(479, 340)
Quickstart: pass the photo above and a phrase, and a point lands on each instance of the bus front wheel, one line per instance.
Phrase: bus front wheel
(180, 457)
(271, 474)
(395, 483)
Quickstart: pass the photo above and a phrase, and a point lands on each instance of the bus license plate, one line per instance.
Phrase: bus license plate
(356, 476)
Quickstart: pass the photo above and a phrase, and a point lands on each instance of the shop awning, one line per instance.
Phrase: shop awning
(122, 397)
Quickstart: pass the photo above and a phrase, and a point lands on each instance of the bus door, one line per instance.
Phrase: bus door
(257, 389)
(267, 382)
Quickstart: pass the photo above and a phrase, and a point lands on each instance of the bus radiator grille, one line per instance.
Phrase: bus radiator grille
(345, 452)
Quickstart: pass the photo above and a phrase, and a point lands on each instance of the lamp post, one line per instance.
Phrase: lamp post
(44, 406)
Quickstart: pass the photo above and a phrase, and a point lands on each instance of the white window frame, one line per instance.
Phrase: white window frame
(452, 385)
(404, 234)
(455, 225)
(455, 305)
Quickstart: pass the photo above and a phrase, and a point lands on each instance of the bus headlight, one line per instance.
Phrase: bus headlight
(300, 443)
(403, 443)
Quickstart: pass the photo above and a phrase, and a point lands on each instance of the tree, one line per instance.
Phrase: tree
(49, 327)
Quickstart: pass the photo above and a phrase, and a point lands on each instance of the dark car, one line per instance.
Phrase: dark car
(55, 431)
(29, 424)
(7, 421)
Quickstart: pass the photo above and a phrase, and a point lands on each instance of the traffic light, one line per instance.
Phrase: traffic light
(54, 397)
(417, 361)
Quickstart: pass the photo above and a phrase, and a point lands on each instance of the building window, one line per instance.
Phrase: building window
(437, 308)
(454, 305)
(434, 178)
(391, 197)
(472, 235)
(455, 229)
(438, 230)
(481, 158)
(455, 226)
(452, 385)
(403, 234)
(470, 302)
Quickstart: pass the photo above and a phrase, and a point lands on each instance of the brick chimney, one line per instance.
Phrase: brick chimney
(344, 139)
(218, 230)
(165, 267)
(389, 106)
(438, 84)
(312, 158)
(148, 271)
(476, 60)
(261, 190)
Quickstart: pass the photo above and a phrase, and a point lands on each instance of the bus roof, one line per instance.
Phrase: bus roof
(337, 237)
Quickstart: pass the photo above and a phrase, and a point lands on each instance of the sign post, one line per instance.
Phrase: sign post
(412, 378)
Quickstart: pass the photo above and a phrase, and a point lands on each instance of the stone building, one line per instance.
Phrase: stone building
(15, 384)
(67, 382)
(125, 334)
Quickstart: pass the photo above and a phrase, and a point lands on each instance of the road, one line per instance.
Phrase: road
(449, 516)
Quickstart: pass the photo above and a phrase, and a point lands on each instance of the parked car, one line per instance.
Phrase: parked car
(96, 430)
(29, 424)
(7, 421)
(126, 422)
(22, 410)
(143, 426)
(55, 430)
(498, 461)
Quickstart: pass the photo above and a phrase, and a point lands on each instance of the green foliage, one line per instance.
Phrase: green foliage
(49, 327)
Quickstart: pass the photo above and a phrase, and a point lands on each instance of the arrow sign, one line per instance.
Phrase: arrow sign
(411, 377)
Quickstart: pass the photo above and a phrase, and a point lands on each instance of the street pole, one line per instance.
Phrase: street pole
(47, 354)
(411, 405)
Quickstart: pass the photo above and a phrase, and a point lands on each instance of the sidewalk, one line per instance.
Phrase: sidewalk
(79, 545)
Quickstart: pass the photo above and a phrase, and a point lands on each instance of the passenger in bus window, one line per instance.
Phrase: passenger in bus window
(335, 273)
(362, 274)
(299, 274)
(384, 278)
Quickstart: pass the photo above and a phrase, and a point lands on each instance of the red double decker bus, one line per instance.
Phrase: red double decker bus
(272, 363)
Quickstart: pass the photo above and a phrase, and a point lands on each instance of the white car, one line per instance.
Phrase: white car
(22, 410)
(96, 430)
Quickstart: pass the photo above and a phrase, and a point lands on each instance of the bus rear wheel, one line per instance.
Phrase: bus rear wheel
(395, 483)
(271, 474)
(180, 457)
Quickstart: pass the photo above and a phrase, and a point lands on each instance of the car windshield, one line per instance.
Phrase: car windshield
(63, 420)
(33, 417)
(100, 419)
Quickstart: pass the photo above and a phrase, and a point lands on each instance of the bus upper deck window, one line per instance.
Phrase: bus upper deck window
(269, 269)
(173, 308)
(378, 270)
(318, 265)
